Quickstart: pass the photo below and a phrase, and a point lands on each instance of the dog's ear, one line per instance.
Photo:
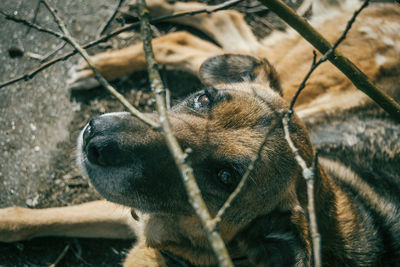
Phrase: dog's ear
(233, 68)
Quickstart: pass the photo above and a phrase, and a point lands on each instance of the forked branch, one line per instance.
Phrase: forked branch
(30, 74)
(330, 53)
(68, 37)
(309, 172)
(357, 77)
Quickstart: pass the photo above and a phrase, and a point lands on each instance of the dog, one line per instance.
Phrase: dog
(357, 175)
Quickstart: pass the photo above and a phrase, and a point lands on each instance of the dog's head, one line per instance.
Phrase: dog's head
(223, 125)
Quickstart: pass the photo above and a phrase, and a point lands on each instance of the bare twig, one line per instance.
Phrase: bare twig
(60, 257)
(179, 156)
(327, 55)
(29, 75)
(52, 53)
(302, 85)
(167, 91)
(357, 77)
(308, 175)
(67, 36)
(31, 25)
(35, 13)
(111, 18)
(309, 172)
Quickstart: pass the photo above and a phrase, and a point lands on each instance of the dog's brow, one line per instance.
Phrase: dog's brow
(221, 95)
(238, 163)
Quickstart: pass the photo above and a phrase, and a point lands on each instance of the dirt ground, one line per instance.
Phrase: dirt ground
(40, 120)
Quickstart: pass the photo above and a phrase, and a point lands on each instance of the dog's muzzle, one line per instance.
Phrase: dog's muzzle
(101, 143)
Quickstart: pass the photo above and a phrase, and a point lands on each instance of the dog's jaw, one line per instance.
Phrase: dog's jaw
(127, 182)
(107, 180)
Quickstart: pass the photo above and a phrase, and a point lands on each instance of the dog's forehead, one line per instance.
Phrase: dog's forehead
(250, 106)
(261, 91)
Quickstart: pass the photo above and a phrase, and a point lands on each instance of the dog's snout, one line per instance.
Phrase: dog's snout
(87, 133)
(104, 153)
(101, 126)
(102, 142)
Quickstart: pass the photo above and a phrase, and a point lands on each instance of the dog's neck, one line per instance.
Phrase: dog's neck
(284, 236)
(283, 233)
(183, 237)
(342, 220)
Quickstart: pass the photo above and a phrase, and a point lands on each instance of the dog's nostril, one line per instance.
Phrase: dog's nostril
(106, 154)
(94, 155)
(87, 133)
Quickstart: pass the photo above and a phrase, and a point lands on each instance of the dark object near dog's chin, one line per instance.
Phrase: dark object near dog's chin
(115, 154)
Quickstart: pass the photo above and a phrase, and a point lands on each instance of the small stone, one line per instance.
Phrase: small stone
(15, 51)
(33, 127)
(32, 202)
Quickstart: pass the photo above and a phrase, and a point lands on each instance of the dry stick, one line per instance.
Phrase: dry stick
(60, 257)
(108, 22)
(31, 25)
(308, 173)
(179, 156)
(52, 53)
(357, 77)
(40, 29)
(327, 55)
(29, 75)
(35, 13)
(67, 37)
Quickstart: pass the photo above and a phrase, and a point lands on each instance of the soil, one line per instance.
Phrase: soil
(40, 120)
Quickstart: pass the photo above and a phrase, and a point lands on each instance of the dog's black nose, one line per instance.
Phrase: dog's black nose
(102, 144)
(87, 133)
(104, 153)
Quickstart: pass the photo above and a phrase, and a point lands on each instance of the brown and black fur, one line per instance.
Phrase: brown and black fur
(357, 183)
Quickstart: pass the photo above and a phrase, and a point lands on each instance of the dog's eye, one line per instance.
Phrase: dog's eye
(225, 177)
(202, 101)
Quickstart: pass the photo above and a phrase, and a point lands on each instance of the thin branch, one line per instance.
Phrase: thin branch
(110, 19)
(60, 257)
(29, 75)
(327, 55)
(308, 175)
(246, 175)
(179, 156)
(67, 36)
(302, 85)
(31, 25)
(52, 53)
(350, 23)
(357, 77)
(35, 13)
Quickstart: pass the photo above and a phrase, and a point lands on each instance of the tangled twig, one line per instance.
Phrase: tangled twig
(30, 74)
(309, 172)
(68, 37)
(110, 19)
(356, 76)
(327, 55)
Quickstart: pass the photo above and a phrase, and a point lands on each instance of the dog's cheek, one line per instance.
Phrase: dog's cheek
(274, 252)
